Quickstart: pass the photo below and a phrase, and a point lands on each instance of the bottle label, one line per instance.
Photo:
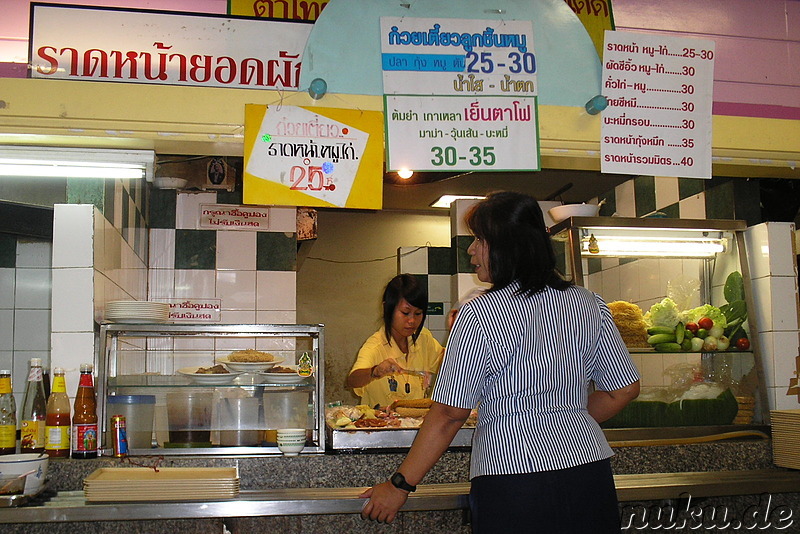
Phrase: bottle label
(59, 384)
(8, 436)
(35, 374)
(86, 380)
(56, 438)
(84, 437)
(32, 434)
(5, 385)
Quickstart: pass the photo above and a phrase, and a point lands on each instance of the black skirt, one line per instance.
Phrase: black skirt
(579, 500)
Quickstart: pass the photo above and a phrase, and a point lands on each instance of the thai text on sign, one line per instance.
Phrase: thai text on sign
(278, 9)
(165, 48)
(227, 217)
(658, 121)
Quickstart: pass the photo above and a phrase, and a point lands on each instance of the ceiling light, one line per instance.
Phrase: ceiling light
(53, 162)
(663, 246)
(444, 201)
(405, 173)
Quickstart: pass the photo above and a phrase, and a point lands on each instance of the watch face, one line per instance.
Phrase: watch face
(399, 481)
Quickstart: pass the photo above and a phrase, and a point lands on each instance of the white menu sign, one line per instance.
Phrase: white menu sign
(490, 133)
(658, 121)
(227, 217)
(449, 56)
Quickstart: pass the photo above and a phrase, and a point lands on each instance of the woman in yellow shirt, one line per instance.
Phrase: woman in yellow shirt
(397, 361)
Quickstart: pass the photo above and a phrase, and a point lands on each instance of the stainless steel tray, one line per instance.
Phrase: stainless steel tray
(401, 438)
(14, 501)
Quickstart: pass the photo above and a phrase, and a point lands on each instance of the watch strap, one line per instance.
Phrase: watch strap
(399, 481)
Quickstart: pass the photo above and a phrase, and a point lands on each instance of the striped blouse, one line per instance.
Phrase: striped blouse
(528, 362)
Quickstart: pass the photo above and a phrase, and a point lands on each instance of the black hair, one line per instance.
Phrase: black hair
(403, 286)
(512, 225)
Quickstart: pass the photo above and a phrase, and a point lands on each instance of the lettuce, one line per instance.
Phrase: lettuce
(664, 313)
(706, 310)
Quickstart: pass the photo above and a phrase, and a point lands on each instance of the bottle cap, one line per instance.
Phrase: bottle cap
(36, 362)
(58, 371)
(5, 371)
(86, 367)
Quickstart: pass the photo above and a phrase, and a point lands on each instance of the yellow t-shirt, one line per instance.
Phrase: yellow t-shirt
(424, 355)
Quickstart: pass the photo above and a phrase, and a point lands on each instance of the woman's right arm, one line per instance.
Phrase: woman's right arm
(361, 377)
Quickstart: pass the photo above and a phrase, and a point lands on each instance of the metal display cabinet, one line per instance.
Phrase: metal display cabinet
(634, 260)
(145, 359)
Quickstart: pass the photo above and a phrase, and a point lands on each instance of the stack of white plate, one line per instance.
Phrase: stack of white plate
(116, 484)
(137, 312)
(785, 442)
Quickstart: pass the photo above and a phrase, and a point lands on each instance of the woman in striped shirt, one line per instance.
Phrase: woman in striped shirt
(546, 363)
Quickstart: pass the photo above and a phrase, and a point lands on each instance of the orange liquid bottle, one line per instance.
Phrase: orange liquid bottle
(84, 420)
(57, 422)
(8, 415)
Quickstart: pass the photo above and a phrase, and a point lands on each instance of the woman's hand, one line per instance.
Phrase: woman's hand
(389, 366)
(384, 502)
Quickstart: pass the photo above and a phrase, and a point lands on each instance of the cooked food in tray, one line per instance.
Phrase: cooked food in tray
(250, 356)
(284, 370)
(215, 370)
(364, 417)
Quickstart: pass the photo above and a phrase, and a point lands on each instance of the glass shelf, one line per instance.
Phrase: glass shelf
(172, 381)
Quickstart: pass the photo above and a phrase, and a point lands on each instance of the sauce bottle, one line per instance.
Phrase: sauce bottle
(34, 411)
(8, 415)
(57, 429)
(84, 420)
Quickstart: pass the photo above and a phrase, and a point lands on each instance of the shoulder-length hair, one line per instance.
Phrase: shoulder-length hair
(512, 225)
(403, 286)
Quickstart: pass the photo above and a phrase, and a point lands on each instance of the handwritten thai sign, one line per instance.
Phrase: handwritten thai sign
(227, 217)
(458, 133)
(659, 90)
(278, 9)
(194, 310)
(297, 156)
(165, 48)
(458, 56)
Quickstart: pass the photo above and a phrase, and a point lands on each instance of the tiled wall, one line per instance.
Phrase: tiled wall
(435, 268)
(24, 306)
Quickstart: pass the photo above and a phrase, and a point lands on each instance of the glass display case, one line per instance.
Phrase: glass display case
(234, 406)
(661, 277)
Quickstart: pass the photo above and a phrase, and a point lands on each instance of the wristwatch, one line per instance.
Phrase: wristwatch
(399, 481)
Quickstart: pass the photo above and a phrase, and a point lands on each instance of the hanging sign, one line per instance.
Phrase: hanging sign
(659, 90)
(227, 217)
(458, 56)
(427, 133)
(283, 9)
(155, 47)
(318, 157)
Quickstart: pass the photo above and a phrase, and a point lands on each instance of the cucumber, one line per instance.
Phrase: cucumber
(661, 338)
(680, 333)
(667, 347)
(653, 330)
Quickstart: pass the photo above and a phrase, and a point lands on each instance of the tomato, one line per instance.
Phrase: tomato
(706, 323)
(692, 327)
(742, 343)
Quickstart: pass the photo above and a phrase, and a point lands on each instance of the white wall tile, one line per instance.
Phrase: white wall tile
(7, 282)
(667, 192)
(757, 245)
(32, 289)
(439, 288)
(779, 353)
(21, 366)
(610, 289)
(161, 284)
(283, 219)
(458, 209)
(238, 317)
(34, 253)
(649, 279)
(32, 330)
(276, 317)
(187, 209)
(73, 235)
(782, 400)
(162, 248)
(236, 250)
(7, 361)
(73, 296)
(784, 302)
(782, 259)
(652, 370)
(594, 281)
(237, 289)
(413, 260)
(101, 227)
(195, 283)
(278, 344)
(71, 349)
(629, 282)
(276, 290)
(625, 199)
(693, 207)
(763, 304)
(7, 329)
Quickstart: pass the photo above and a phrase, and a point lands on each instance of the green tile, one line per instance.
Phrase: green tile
(126, 213)
(689, 187)
(609, 207)
(8, 250)
(460, 244)
(422, 280)
(230, 197)
(440, 260)
(276, 251)
(720, 202)
(644, 190)
(162, 208)
(195, 249)
(672, 211)
(108, 199)
(747, 199)
(625, 261)
(86, 191)
(595, 265)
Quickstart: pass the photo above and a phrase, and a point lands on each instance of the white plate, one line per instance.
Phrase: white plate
(249, 367)
(191, 373)
(282, 378)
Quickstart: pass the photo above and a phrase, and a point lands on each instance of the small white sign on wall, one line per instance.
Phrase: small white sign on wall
(194, 310)
(228, 217)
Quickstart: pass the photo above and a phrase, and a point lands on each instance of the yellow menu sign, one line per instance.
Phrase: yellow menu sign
(310, 156)
(597, 17)
(282, 9)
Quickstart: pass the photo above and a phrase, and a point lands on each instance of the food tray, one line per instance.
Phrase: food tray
(385, 438)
